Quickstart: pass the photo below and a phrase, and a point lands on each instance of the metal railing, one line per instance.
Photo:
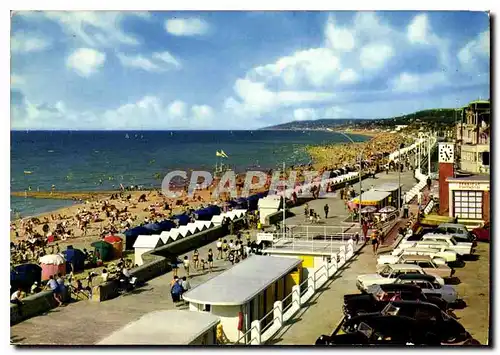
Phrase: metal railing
(287, 302)
(268, 324)
(248, 333)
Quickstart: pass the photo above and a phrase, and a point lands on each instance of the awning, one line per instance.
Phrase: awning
(371, 198)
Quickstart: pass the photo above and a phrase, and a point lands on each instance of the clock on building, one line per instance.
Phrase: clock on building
(446, 153)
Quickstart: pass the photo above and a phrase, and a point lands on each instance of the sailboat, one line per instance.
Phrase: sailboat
(127, 136)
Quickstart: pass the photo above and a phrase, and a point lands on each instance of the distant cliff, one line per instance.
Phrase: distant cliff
(436, 118)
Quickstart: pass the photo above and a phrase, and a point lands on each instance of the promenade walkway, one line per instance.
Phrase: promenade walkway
(87, 322)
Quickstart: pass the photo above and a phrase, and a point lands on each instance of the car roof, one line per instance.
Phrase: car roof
(405, 287)
(456, 225)
(403, 266)
(423, 277)
(416, 257)
(418, 247)
(412, 304)
(442, 236)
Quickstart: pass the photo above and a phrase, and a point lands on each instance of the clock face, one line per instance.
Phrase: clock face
(446, 153)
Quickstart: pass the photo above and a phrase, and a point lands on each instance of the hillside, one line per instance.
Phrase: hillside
(436, 118)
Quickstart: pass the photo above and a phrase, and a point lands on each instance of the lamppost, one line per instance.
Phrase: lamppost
(360, 179)
(401, 146)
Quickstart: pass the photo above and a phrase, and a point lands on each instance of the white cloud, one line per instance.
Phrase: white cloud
(186, 26)
(26, 43)
(95, 28)
(85, 61)
(332, 112)
(160, 61)
(420, 32)
(177, 109)
(338, 38)
(167, 58)
(374, 56)
(257, 99)
(409, 82)
(419, 29)
(314, 66)
(348, 76)
(304, 114)
(149, 112)
(478, 47)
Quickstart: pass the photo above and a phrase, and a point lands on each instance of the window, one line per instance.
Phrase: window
(425, 264)
(468, 204)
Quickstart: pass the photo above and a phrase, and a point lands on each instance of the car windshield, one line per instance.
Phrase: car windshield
(390, 310)
(365, 329)
(385, 271)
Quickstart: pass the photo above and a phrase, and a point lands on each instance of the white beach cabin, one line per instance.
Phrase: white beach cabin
(184, 231)
(247, 290)
(145, 243)
(193, 228)
(217, 220)
(268, 205)
(167, 327)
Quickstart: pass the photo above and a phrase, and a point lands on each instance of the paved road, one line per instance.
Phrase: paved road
(325, 310)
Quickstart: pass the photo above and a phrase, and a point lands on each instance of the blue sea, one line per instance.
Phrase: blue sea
(101, 160)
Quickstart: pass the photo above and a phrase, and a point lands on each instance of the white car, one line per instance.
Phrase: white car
(387, 274)
(434, 254)
(433, 249)
(462, 248)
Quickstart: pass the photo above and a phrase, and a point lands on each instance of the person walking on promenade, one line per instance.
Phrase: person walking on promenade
(365, 229)
(219, 249)
(224, 249)
(186, 265)
(174, 266)
(306, 211)
(210, 260)
(374, 241)
(326, 208)
(406, 208)
(196, 259)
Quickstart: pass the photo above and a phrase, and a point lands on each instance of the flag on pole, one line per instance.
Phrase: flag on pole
(221, 154)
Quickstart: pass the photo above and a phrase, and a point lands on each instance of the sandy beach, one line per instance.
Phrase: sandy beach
(84, 223)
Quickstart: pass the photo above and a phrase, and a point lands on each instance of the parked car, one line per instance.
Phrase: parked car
(429, 286)
(483, 233)
(426, 317)
(459, 231)
(387, 274)
(378, 296)
(387, 331)
(462, 248)
(439, 257)
(428, 265)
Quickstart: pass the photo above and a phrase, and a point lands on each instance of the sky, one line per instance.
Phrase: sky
(240, 70)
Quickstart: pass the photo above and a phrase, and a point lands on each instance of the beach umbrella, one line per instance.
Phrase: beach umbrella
(387, 209)
(368, 209)
(54, 259)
